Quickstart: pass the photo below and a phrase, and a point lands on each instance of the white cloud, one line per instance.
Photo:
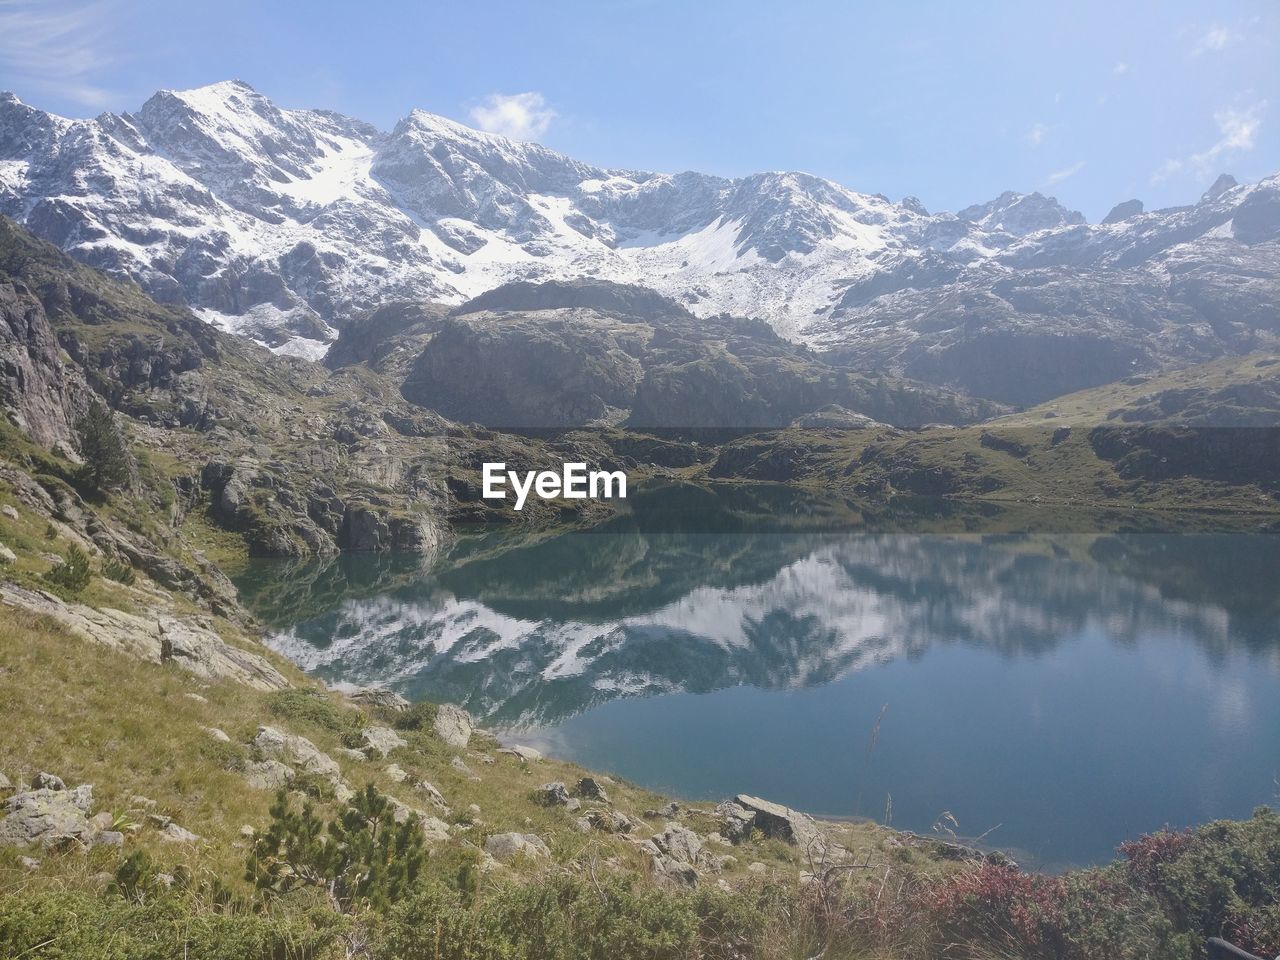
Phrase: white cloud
(1064, 174)
(1237, 133)
(522, 116)
(58, 52)
(1120, 69)
(1036, 135)
(1216, 38)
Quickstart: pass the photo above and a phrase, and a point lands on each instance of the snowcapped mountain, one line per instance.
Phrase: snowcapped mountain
(282, 224)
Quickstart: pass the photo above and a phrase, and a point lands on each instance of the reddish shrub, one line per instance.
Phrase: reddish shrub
(1151, 852)
(1002, 905)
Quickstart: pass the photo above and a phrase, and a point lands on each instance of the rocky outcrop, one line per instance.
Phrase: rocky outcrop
(189, 644)
(302, 755)
(776, 821)
(49, 815)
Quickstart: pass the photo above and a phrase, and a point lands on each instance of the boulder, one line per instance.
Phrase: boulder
(783, 823)
(109, 838)
(396, 773)
(459, 765)
(453, 725)
(380, 699)
(434, 795)
(176, 834)
(588, 788)
(667, 811)
(679, 843)
(298, 752)
(9, 511)
(611, 821)
(552, 794)
(675, 872)
(4, 783)
(48, 816)
(737, 821)
(527, 754)
(217, 734)
(7, 556)
(379, 741)
(505, 847)
(47, 781)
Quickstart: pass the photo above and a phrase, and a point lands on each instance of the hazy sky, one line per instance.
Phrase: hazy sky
(1093, 102)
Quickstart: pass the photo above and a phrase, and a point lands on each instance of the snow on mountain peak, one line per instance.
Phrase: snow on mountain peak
(282, 223)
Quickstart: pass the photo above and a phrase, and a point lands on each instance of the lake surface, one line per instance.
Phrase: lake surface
(1055, 693)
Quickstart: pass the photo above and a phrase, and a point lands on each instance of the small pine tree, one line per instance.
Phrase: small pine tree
(72, 575)
(362, 858)
(106, 462)
(119, 570)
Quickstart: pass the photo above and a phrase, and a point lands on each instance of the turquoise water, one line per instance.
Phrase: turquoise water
(1054, 693)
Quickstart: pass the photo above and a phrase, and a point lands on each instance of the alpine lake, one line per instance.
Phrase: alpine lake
(1049, 685)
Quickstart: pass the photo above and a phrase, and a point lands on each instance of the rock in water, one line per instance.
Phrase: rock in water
(453, 725)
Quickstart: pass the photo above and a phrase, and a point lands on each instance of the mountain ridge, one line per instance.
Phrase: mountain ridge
(284, 225)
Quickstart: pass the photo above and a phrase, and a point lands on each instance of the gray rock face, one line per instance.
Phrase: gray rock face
(1124, 211)
(453, 725)
(268, 774)
(34, 392)
(505, 847)
(1021, 214)
(189, 645)
(737, 821)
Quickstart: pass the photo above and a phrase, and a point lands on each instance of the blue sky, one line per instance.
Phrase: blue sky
(952, 102)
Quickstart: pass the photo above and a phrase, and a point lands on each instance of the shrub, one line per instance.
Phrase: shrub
(72, 575)
(567, 918)
(313, 707)
(420, 716)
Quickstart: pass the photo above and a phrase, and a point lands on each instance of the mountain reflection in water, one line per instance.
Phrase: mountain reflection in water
(594, 643)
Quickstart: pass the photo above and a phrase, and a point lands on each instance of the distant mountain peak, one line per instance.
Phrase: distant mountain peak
(1220, 186)
(1021, 213)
